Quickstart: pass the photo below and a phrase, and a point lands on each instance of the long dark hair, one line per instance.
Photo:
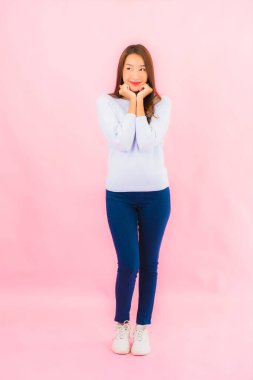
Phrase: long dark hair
(151, 99)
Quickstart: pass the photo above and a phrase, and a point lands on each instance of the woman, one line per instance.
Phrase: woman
(134, 120)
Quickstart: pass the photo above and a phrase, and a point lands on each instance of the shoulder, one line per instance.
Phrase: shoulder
(104, 102)
(103, 98)
(165, 100)
(163, 105)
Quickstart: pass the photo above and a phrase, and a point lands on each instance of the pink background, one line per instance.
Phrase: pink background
(57, 259)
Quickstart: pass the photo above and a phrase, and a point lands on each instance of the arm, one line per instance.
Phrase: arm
(119, 134)
(150, 135)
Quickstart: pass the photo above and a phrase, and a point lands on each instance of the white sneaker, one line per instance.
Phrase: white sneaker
(141, 345)
(121, 340)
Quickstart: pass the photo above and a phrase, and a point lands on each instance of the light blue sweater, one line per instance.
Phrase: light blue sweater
(135, 160)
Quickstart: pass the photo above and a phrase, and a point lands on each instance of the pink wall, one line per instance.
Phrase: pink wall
(56, 58)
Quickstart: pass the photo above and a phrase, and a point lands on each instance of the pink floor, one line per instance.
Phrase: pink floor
(56, 334)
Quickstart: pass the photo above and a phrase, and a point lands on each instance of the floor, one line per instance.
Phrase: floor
(55, 334)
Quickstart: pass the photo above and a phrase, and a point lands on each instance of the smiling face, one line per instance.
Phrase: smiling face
(134, 72)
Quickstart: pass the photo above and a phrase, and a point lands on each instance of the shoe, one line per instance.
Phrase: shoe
(141, 344)
(121, 340)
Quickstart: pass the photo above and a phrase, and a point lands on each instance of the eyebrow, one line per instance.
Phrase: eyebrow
(129, 64)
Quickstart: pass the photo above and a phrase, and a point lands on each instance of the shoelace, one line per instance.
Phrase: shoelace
(122, 330)
(138, 332)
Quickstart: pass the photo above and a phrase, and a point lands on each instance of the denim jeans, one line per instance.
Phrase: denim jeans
(137, 221)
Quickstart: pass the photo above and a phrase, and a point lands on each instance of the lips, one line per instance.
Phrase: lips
(135, 83)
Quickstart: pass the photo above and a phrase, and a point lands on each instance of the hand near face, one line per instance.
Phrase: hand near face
(146, 90)
(126, 92)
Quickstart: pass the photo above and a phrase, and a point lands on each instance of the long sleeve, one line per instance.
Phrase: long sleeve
(150, 135)
(119, 134)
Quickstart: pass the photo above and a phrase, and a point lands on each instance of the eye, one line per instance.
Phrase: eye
(128, 68)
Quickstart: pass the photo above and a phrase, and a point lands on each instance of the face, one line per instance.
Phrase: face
(134, 72)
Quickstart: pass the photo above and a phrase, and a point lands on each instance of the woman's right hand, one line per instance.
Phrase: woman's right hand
(126, 92)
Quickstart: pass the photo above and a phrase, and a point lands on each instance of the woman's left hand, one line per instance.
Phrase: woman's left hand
(146, 90)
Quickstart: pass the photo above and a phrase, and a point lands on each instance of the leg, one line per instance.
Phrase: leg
(153, 218)
(122, 219)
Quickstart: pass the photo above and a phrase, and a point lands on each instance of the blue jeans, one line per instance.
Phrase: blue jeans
(137, 221)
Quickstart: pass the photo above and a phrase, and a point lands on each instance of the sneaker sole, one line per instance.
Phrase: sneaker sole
(140, 354)
(121, 352)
